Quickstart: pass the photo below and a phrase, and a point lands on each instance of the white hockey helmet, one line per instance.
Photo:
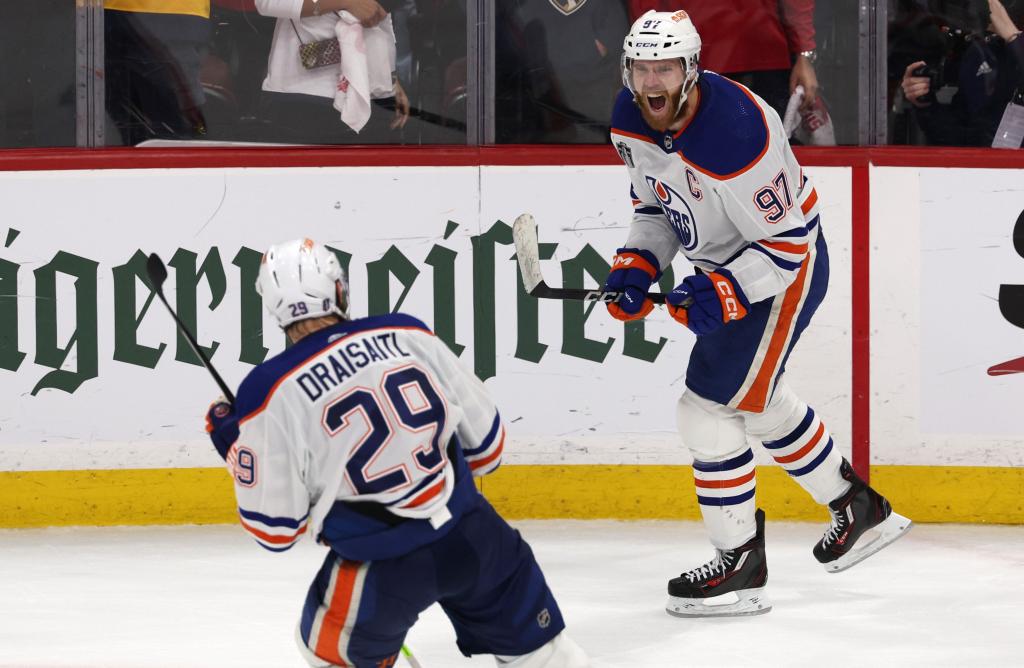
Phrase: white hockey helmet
(662, 36)
(297, 281)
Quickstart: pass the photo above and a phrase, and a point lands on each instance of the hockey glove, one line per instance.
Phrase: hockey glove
(633, 271)
(717, 300)
(222, 426)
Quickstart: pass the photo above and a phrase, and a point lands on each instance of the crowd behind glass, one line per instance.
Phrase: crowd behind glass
(397, 71)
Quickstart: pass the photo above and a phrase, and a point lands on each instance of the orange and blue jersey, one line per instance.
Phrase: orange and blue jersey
(726, 191)
(365, 435)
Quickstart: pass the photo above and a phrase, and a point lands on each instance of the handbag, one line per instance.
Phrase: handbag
(318, 54)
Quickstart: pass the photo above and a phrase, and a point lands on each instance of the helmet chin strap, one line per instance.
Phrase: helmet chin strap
(691, 81)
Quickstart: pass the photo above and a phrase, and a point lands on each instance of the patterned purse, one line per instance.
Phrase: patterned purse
(317, 54)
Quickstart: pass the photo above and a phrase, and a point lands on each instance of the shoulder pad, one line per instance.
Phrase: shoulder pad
(262, 380)
(729, 134)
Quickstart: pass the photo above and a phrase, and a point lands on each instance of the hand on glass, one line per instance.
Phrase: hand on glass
(401, 107)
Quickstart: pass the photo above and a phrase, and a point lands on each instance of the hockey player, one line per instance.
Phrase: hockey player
(714, 178)
(367, 434)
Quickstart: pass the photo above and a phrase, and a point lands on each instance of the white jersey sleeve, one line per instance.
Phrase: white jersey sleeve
(480, 432)
(273, 503)
(647, 229)
(764, 203)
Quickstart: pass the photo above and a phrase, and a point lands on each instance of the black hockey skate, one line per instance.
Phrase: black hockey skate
(730, 585)
(855, 513)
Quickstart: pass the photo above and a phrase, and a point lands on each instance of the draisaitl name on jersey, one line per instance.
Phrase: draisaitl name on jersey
(342, 361)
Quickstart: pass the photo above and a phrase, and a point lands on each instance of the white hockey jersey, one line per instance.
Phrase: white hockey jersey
(362, 411)
(726, 190)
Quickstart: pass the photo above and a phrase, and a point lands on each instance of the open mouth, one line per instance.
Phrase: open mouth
(656, 102)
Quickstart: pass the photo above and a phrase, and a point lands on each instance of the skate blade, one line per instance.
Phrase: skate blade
(748, 602)
(892, 529)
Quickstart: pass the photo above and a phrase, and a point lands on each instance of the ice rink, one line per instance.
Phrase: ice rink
(945, 595)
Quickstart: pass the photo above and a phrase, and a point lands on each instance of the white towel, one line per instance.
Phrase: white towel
(367, 61)
(812, 127)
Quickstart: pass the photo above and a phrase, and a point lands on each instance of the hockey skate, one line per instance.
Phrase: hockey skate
(862, 523)
(730, 585)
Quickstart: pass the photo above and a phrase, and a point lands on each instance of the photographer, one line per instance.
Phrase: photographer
(969, 66)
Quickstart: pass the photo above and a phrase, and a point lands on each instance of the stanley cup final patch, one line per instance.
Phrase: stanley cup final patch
(625, 153)
(568, 6)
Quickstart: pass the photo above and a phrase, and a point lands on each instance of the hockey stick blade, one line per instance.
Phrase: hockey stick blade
(524, 234)
(157, 274)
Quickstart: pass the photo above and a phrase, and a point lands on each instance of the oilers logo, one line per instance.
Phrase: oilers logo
(677, 212)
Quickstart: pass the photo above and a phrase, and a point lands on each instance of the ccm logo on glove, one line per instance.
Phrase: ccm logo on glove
(732, 309)
(633, 271)
(717, 300)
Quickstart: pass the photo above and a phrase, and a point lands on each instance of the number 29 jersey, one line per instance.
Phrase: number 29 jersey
(726, 190)
(372, 410)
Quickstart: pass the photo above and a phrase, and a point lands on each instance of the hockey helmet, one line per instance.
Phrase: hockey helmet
(297, 281)
(662, 36)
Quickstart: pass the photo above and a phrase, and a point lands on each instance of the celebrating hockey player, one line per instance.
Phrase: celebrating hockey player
(714, 178)
(366, 434)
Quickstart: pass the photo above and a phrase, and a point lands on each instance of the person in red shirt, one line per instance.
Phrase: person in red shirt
(767, 45)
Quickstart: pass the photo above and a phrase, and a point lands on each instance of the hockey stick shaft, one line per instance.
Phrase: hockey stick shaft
(524, 234)
(407, 653)
(157, 273)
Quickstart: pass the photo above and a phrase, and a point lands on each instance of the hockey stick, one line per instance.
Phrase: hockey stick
(524, 234)
(407, 653)
(157, 273)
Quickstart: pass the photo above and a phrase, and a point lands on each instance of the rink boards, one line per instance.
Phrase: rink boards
(103, 403)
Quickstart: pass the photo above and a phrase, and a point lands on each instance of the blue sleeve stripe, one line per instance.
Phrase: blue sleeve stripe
(796, 233)
(727, 465)
(784, 264)
(266, 520)
(488, 440)
(274, 549)
(648, 210)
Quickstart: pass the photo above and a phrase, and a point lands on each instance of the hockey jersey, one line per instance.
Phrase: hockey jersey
(726, 190)
(365, 434)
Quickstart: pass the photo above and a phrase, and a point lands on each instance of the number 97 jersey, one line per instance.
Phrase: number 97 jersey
(726, 190)
(372, 410)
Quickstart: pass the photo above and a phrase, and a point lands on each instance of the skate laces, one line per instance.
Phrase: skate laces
(721, 561)
(836, 526)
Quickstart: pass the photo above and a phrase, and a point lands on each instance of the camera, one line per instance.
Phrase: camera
(943, 69)
(936, 80)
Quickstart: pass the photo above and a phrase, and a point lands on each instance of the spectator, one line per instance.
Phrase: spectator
(236, 67)
(557, 69)
(968, 66)
(766, 45)
(307, 104)
(437, 51)
(154, 50)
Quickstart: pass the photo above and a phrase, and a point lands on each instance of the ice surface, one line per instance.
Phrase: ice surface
(182, 597)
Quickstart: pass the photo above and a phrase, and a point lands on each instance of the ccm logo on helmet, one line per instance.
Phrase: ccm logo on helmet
(646, 45)
(730, 305)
